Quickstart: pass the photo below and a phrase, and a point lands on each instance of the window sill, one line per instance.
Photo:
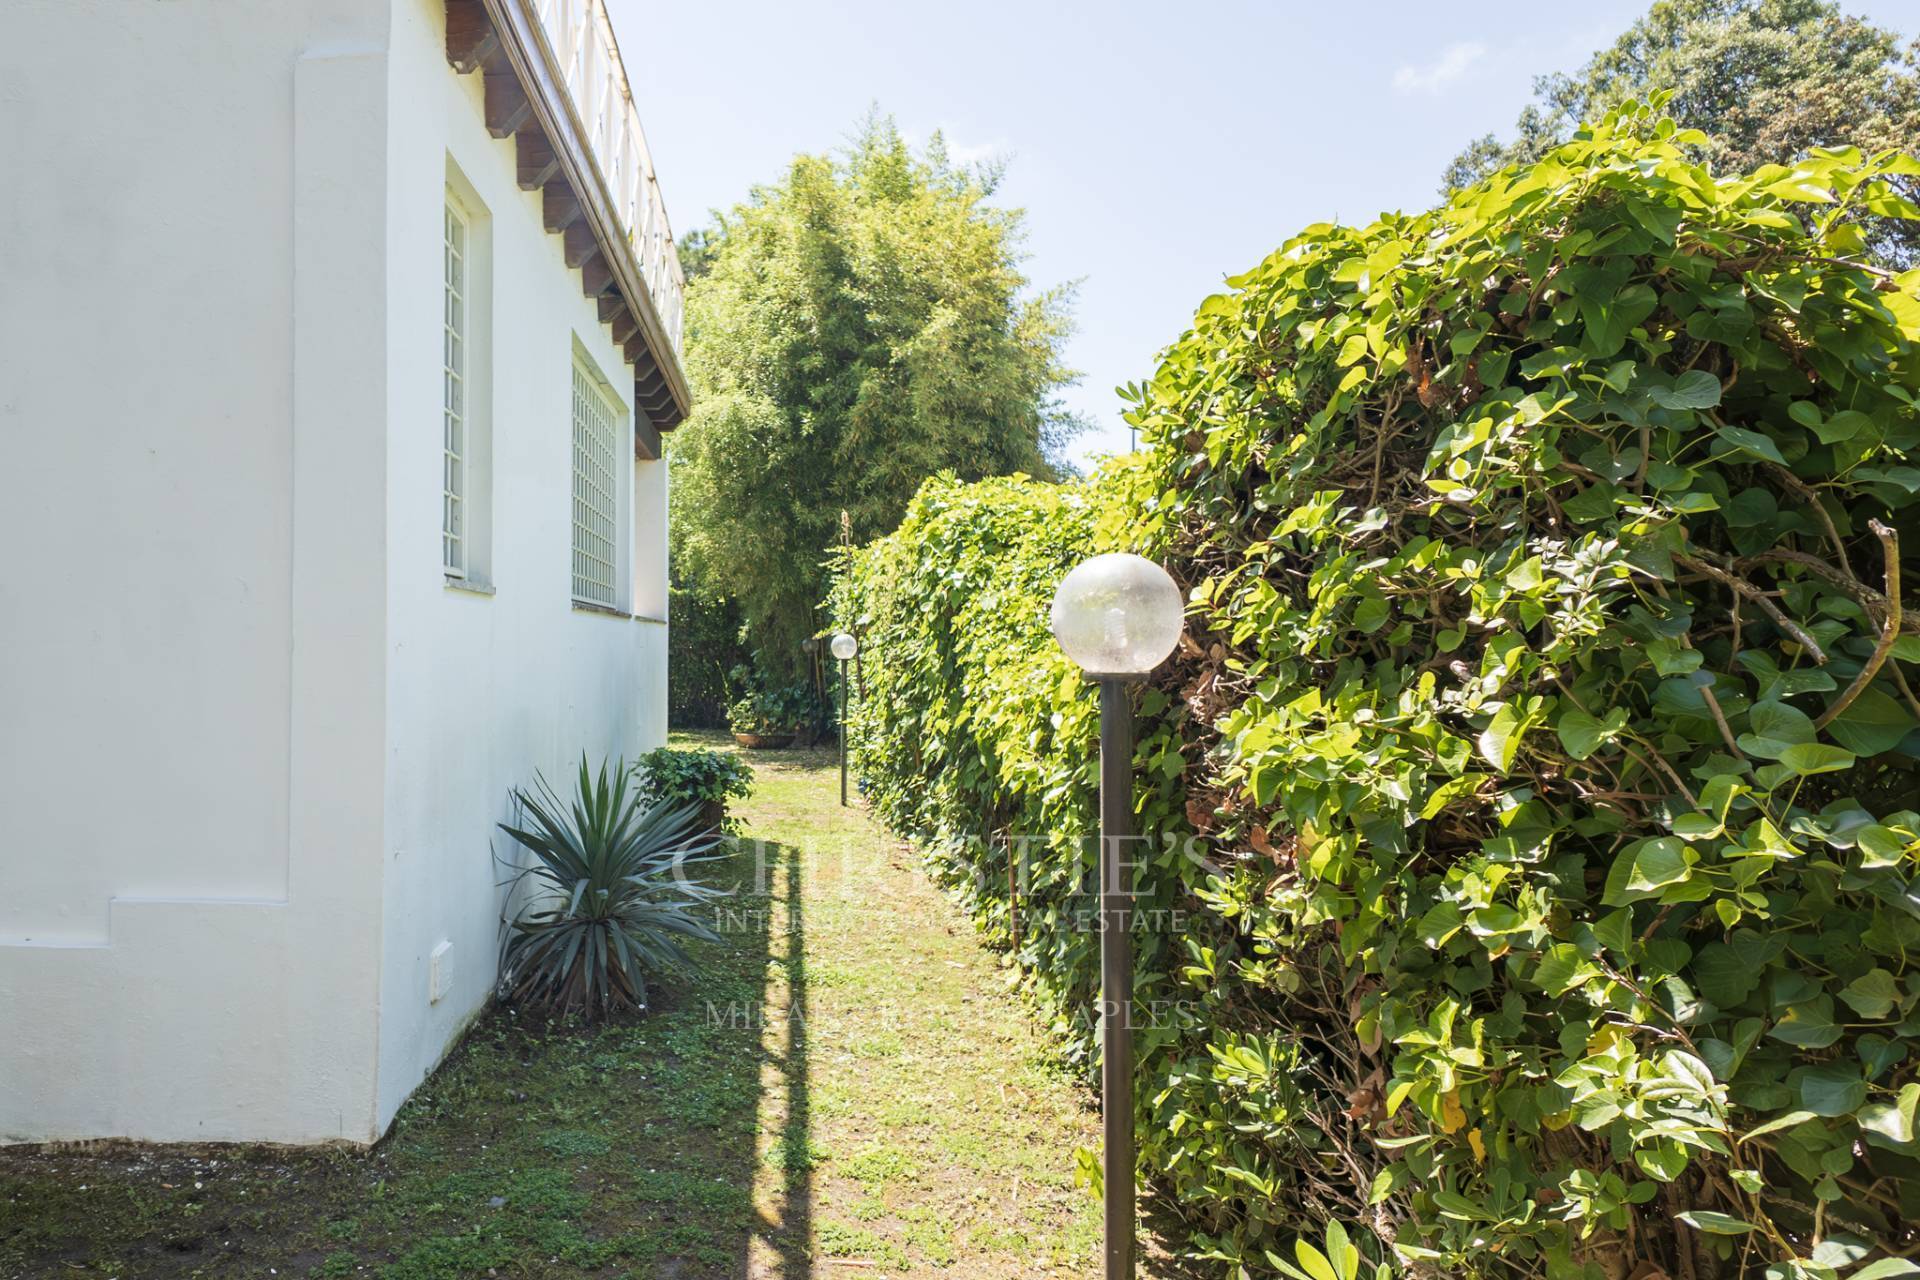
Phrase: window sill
(469, 586)
(605, 611)
(658, 622)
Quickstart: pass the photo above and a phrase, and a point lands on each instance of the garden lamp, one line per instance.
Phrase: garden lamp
(1117, 617)
(844, 646)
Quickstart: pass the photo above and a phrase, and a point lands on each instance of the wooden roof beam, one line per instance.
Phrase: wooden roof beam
(579, 244)
(595, 276)
(471, 36)
(648, 392)
(537, 160)
(646, 440)
(558, 207)
(508, 107)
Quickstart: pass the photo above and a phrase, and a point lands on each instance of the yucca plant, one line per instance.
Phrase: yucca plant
(609, 898)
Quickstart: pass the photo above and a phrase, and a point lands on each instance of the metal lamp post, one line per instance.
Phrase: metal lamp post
(1117, 617)
(844, 646)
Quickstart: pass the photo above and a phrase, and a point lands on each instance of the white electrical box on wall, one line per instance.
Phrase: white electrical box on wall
(439, 971)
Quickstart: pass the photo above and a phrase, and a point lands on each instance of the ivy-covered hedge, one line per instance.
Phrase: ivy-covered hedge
(1547, 709)
(970, 730)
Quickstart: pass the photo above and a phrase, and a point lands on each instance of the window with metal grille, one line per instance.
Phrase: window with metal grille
(596, 499)
(453, 398)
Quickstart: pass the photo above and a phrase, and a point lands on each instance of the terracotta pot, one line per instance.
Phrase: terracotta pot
(763, 741)
(712, 814)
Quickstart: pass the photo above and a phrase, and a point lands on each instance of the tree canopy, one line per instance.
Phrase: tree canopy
(1766, 80)
(854, 328)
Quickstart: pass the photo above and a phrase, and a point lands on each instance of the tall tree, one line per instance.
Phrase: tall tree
(854, 328)
(1767, 80)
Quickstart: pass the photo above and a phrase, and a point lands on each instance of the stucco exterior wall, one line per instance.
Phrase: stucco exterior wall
(252, 748)
(483, 690)
(191, 607)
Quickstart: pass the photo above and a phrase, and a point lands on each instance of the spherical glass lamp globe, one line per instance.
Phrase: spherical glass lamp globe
(844, 646)
(1117, 616)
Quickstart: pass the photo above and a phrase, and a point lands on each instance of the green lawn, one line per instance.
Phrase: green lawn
(847, 1089)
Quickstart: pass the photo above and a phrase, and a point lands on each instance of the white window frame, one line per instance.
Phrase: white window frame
(599, 490)
(466, 386)
(456, 252)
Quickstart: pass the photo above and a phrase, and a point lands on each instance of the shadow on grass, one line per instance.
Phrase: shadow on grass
(627, 1149)
(786, 1227)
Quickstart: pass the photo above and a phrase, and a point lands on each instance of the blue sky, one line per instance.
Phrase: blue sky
(1157, 147)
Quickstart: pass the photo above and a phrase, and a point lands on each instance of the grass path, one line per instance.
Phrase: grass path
(908, 1118)
(847, 1090)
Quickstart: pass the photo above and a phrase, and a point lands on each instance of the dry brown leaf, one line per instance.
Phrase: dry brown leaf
(1367, 1102)
(1200, 813)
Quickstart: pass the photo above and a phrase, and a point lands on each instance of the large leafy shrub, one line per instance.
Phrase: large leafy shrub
(1542, 708)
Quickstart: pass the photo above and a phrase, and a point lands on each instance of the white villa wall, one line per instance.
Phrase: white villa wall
(252, 747)
(191, 607)
(485, 689)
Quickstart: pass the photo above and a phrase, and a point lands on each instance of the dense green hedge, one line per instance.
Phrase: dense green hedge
(1542, 708)
(703, 644)
(970, 726)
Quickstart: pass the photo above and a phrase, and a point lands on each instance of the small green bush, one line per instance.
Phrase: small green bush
(695, 776)
(1543, 710)
(761, 705)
